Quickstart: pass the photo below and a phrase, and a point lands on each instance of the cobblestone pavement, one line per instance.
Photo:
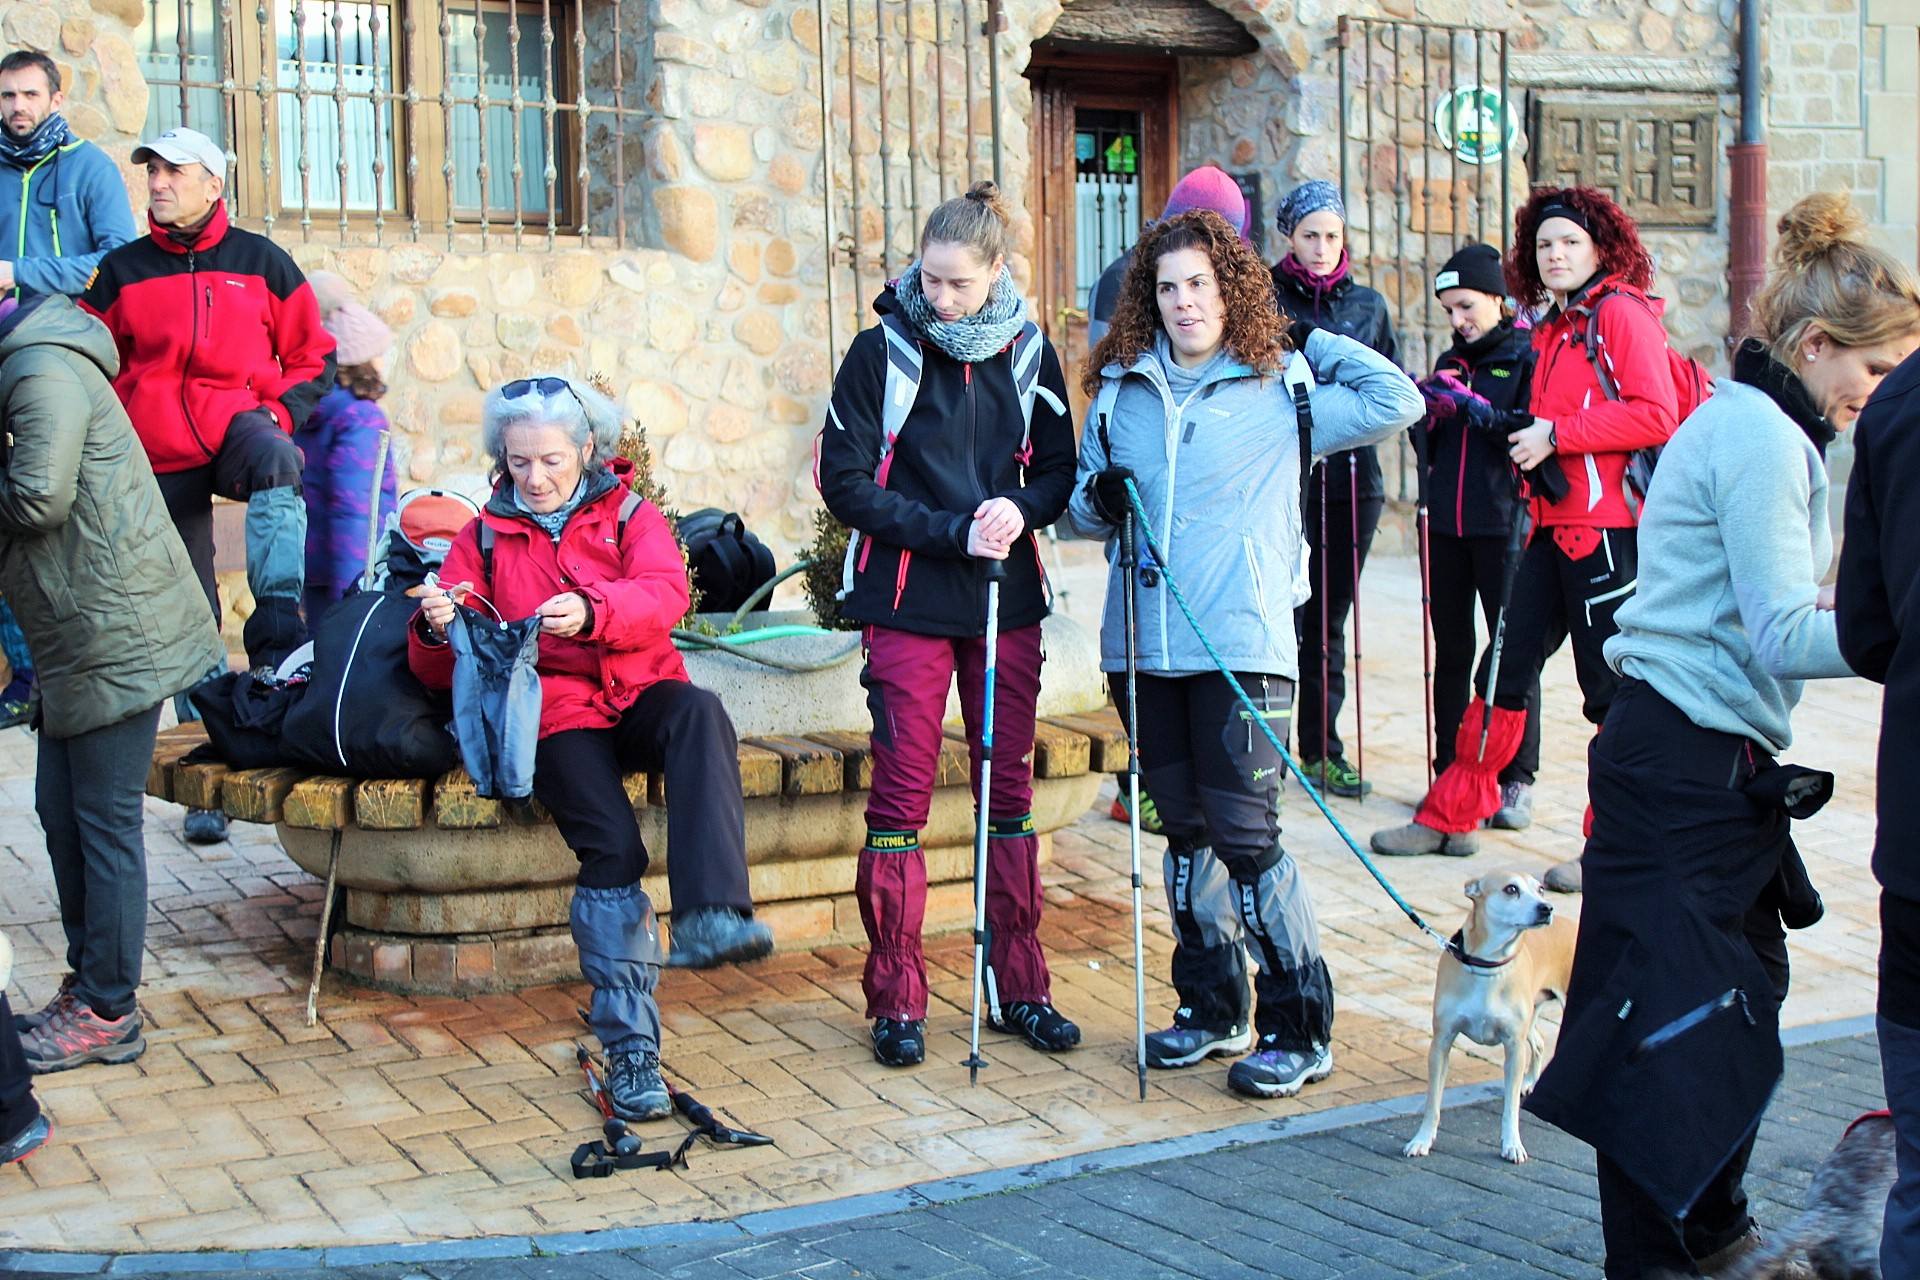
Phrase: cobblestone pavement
(1337, 1203)
(400, 1120)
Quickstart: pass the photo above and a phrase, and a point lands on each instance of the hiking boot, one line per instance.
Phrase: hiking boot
(899, 1044)
(1564, 877)
(30, 1140)
(1336, 777)
(1042, 1025)
(27, 1022)
(75, 1035)
(1185, 1043)
(634, 1087)
(204, 826)
(1417, 839)
(1149, 815)
(1516, 808)
(717, 935)
(1273, 1072)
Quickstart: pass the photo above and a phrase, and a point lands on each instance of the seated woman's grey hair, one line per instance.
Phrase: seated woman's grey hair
(552, 400)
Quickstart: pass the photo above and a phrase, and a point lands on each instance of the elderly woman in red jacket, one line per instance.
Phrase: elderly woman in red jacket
(564, 537)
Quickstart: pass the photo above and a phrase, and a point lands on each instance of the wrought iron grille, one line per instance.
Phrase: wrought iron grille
(399, 118)
(909, 96)
(1431, 147)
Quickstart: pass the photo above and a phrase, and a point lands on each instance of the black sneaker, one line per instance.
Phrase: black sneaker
(1042, 1025)
(1273, 1072)
(634, 1086)
(899, 1044)
(204, 826)
(1185, 1043)
(1336, 777)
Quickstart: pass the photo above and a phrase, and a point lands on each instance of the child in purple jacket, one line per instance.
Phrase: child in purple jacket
(341, 441)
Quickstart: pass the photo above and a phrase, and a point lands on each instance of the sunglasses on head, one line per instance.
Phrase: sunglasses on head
(545, 386)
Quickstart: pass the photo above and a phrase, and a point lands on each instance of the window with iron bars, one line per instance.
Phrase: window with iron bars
(403, 117)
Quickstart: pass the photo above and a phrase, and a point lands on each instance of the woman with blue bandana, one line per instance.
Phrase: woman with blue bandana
(947, 445)
(1314, 285)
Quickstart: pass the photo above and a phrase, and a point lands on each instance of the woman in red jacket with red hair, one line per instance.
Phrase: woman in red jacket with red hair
(1578, 254)
(566, 538)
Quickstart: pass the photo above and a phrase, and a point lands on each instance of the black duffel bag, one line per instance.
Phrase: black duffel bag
(728, 563)
(245, 716)
(365, 714)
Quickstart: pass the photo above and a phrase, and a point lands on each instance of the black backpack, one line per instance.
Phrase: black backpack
(244, 716)
(365, 714)
(727, 563)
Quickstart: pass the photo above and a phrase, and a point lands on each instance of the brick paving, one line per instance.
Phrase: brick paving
(413, 1119)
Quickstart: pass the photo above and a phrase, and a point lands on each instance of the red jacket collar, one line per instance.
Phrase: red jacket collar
(210, 235)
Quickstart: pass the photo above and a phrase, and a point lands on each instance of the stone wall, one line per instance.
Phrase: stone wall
(713, 321)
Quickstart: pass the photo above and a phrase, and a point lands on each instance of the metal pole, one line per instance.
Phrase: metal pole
(1340, 52)
(828, 196)
(996, 571)
(886, 148)
(996, 23)
(1747, 261)
(1129, 566)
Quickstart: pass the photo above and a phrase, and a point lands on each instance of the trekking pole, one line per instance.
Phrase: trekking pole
(996, 573)
(326, 918)
(1325, 670)
(1509, 569)
(1130, 603)
(373, 511)
(1422, 527)
(1359, 687)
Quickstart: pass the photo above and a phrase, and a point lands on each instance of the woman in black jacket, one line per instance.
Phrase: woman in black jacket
(1475, 397)
(947, 444)
(1314, 284)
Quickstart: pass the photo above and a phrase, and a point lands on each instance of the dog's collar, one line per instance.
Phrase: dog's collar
(1457, 948)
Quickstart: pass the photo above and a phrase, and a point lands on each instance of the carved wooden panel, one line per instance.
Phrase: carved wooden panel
(1659, 159)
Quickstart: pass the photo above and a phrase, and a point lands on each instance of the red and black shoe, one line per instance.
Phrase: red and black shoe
(29, 1140)
(75, 1036)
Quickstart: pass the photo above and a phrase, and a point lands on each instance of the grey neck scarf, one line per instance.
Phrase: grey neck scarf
(970, 339)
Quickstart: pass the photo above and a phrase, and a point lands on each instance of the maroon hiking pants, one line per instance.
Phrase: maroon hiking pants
(907, 677)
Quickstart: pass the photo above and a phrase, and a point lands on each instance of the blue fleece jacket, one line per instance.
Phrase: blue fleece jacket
(59, 218)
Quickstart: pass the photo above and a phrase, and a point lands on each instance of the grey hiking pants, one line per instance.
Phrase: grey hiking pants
(88, 791)
(1231, 886)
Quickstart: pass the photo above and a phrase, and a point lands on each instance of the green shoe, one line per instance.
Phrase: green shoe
(1336, 777)
(1149, 815)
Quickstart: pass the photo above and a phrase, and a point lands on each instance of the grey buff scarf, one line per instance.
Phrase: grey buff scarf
(970, 339)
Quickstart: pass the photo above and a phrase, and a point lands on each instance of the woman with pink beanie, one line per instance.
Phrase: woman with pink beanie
(341, 441)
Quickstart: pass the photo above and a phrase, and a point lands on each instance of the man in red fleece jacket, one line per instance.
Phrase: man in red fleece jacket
(222, 356)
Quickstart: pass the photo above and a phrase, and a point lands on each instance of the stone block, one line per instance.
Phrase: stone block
(433, 966)
(454, 303)
(689, 221)
(433, 353)
(76, 35)
(121, 81)
(760, 332)
(392, 962)
(1891, 124)
(724, 152)
(473, 963)
(543, 956)
(1893, 13)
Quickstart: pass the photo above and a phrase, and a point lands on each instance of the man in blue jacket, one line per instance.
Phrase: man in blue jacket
(62, 206)
(62, 201)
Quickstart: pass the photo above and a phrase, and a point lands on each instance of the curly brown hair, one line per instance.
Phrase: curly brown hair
(1256, 332)
(1615, 236)
(362, 379)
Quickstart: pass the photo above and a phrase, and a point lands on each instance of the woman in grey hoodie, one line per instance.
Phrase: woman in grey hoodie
(1193, 401)
(1670, 1047)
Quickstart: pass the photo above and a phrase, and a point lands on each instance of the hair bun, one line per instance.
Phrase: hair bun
(1815, 226)
(987, 193)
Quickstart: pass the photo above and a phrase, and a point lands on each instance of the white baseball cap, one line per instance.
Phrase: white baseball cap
(183, 146)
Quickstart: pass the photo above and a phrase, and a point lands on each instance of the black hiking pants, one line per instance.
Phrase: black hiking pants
(1335, 572)
(683, 733)
(1557, 597)
(1231, 886)
(17, 1106)
(1461, 572)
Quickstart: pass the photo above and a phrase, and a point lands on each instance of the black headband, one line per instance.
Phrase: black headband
(1561, 209)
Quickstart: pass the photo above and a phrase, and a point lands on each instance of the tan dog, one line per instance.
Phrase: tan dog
(1511, 957)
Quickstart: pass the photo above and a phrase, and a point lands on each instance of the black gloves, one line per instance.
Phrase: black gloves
(1297, 333)
(1107, 491)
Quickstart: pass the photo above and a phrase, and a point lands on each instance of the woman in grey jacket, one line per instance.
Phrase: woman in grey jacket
(1670, 1047)
(1193, 401)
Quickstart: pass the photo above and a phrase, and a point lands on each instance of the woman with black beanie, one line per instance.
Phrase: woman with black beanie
(1476, 396)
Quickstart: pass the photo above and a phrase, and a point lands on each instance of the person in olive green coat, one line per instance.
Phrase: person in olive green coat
(110, 605)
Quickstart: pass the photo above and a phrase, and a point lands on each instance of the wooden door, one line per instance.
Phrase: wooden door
(1105, 159)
